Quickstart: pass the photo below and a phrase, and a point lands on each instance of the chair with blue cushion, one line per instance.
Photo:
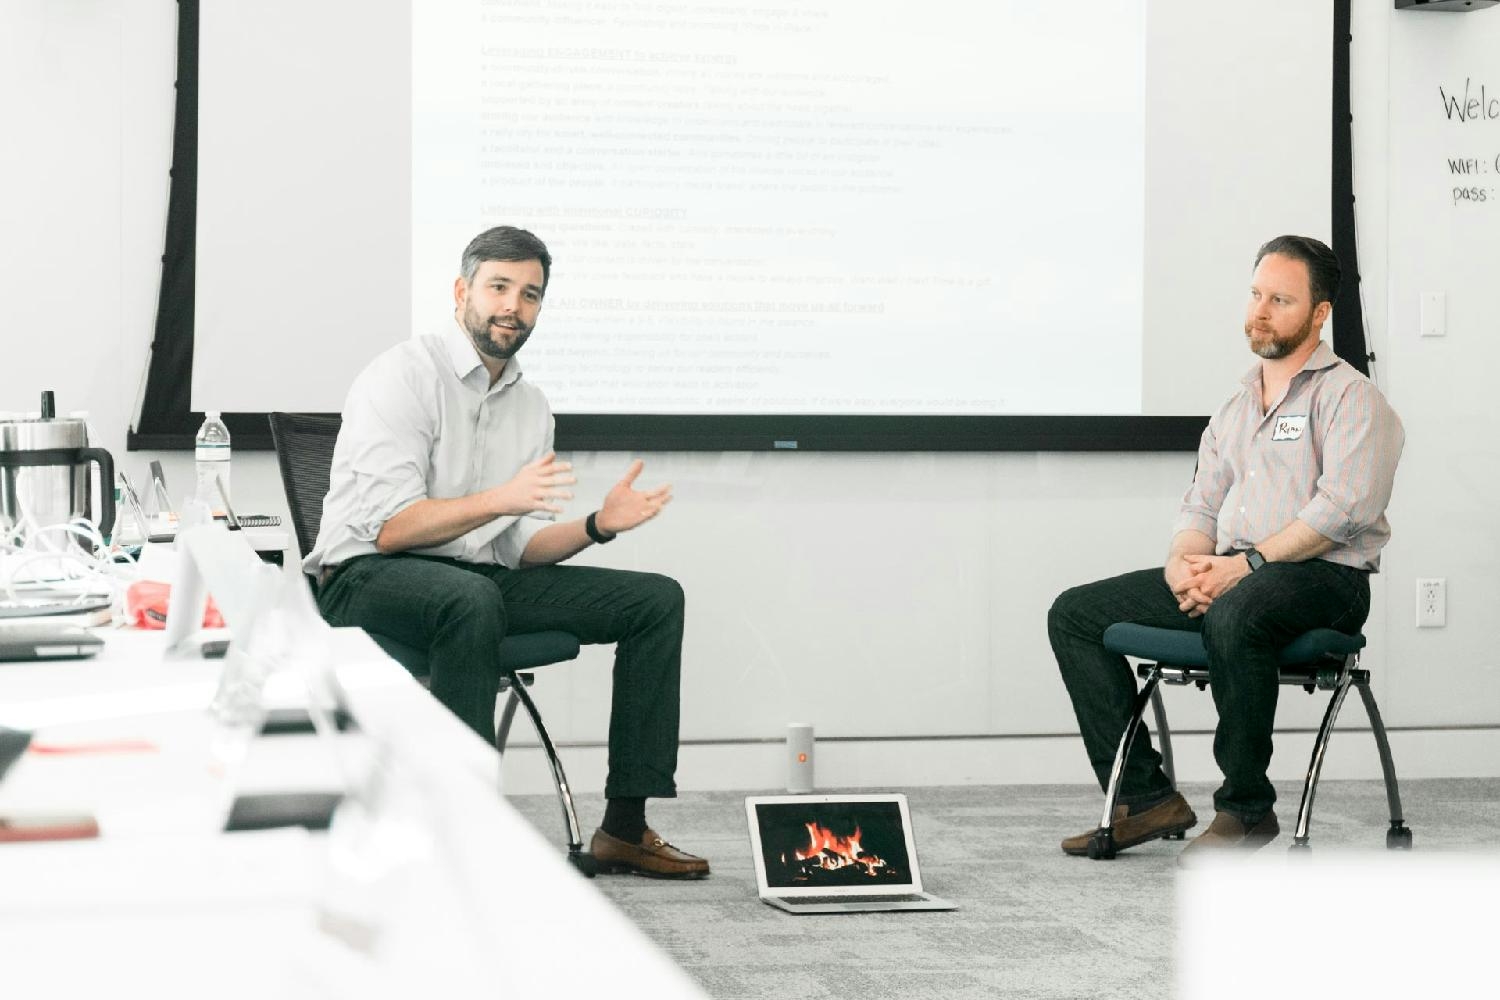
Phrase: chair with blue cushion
(1318, 660)
(304, 450)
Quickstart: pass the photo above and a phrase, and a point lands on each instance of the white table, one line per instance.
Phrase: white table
(458, 892)
(270, 544)
(1331, 923)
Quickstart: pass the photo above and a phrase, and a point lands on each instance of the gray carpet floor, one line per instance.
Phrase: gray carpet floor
(1032, 923)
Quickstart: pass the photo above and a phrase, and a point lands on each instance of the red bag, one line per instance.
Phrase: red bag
(146, 606)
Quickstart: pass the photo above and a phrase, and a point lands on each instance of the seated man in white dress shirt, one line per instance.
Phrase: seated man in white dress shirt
(438, 531)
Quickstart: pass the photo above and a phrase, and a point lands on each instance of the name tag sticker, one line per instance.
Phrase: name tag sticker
(1289, 428)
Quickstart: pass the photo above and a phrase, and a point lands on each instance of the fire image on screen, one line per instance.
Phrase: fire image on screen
(825, 844)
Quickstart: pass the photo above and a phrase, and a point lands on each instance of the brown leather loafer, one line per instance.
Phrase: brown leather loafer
(652, 857)
(1162, 820)
(1227, 834)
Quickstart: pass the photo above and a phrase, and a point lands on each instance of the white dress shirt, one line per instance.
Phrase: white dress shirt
(422, 421)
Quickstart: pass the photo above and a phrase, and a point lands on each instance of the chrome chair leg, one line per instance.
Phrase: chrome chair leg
(1320, 748)
(580, 860)
(1163, 737)
(1398, 837)
(1102, 843)
(507, 716)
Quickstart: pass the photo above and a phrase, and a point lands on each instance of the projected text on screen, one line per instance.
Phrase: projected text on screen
(826, 208)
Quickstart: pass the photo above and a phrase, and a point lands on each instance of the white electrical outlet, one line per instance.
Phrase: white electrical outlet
(1432, 603)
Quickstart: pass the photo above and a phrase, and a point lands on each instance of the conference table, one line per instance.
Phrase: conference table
(427, 880)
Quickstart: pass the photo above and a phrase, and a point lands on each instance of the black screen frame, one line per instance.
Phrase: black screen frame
(167, 421)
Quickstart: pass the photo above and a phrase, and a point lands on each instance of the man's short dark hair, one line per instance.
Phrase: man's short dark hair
(1323, 271)
(504, 243)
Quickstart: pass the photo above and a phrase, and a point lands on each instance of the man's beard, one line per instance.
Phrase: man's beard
(1273, 349)
(479, 329)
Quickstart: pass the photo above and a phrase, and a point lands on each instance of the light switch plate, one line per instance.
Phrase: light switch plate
(1434, 314)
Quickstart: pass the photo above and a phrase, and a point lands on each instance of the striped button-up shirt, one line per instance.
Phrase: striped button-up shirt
(423, 421)
(1325, 453)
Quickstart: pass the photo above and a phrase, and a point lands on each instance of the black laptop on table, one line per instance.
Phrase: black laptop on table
(46, 641)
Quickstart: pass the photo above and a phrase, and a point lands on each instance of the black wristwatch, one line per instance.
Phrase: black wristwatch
(592, 527)
(1255, 559)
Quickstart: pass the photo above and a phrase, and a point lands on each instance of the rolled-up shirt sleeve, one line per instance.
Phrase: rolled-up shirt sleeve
(390, 430)
(1360, 454)
(1211, 483)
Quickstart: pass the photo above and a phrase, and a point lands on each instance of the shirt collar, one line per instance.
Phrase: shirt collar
(465, 358)
(1322, 357)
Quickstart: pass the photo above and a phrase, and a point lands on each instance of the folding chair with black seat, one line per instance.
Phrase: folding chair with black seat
(1318, 660)
(304, 450)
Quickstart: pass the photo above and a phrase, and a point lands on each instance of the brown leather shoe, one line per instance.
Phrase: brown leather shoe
(652, 857)
(1227, 834)
(1171, 816)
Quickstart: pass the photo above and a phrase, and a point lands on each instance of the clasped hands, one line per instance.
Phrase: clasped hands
(1199, 580)
(542, 485)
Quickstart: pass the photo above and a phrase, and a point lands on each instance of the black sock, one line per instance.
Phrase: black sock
(625, 819)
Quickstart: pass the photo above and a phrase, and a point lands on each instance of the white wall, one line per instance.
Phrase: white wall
(873, 595)
(1446, 510)
(88, 102)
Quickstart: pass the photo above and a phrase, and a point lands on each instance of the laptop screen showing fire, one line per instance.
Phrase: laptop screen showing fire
(823, 843)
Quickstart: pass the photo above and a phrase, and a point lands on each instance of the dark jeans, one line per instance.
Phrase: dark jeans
(1242, 631)
(460, 611)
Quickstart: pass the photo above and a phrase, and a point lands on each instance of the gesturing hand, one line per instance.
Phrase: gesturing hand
(536, 486)
(626, 507)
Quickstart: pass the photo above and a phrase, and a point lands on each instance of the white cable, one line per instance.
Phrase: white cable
(68, 557)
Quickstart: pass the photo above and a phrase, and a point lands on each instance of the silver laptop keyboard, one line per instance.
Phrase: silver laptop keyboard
(908, 897)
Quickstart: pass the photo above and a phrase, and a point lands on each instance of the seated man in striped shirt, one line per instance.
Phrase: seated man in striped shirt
(1278, 534)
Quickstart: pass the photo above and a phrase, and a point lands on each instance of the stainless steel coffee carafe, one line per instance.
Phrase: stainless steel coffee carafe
(44, 475)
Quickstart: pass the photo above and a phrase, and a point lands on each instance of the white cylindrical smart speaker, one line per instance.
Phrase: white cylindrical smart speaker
(799, 757)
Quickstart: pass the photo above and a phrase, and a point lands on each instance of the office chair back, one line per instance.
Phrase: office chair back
(304, 451)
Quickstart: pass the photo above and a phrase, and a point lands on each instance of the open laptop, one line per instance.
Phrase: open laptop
(836, 854)
(237, 522)
(145, 523)
(159, 487)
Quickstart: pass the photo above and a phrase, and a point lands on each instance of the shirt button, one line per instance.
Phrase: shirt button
(1252, 472)
(1242, 510)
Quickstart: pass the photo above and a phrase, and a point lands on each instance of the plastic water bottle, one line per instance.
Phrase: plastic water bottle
(212, 461)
